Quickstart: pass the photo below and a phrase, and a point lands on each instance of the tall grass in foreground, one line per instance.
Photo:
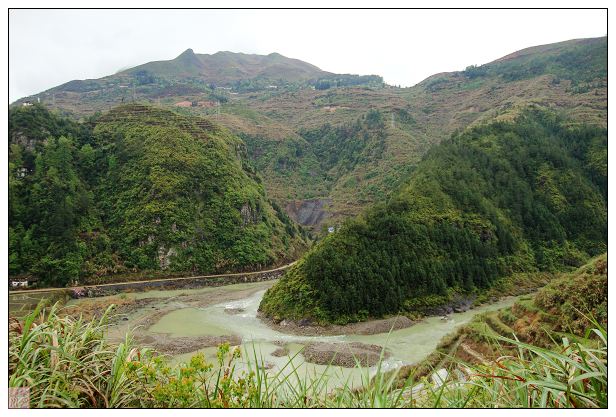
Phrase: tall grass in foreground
(67, 362)
(570, 375)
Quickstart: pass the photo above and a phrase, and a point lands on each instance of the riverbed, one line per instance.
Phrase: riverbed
(184, 322)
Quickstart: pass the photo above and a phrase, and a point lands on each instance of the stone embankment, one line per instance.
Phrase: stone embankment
(174, 283)
(457, 305)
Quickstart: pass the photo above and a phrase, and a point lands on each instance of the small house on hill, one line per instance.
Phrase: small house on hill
(21, 282)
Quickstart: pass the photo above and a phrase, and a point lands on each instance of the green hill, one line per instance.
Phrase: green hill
(499, 198)
(138, 189)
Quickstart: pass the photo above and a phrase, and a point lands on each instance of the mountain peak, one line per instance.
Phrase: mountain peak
(187, 52)
(189, 60)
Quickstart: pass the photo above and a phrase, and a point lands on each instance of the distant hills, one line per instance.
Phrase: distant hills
(199, 75)
(308, 131)
(224, 68)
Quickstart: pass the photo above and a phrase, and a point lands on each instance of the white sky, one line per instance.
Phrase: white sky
(50, 47)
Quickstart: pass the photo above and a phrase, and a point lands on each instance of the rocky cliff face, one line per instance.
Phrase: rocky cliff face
(309, 212)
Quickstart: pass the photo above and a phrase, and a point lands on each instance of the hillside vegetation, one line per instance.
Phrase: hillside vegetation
(568, 78)
(138, 189)
(500, 198)
(296, 118)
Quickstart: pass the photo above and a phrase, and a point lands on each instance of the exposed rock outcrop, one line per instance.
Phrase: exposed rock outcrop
(309, 212)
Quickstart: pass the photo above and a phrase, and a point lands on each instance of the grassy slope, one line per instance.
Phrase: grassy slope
(565, 308)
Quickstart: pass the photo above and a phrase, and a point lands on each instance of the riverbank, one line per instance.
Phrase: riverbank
(369, 327)
(183, 322)
(442, 306)
(161, 302)
(136, 313)
(347, 355)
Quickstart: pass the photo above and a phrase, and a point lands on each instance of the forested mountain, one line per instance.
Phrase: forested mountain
(297, 119)
(502, 197)
(327, 145)
(137, 189)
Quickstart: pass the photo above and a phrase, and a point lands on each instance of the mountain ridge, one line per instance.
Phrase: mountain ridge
(224, 67)
(274, 120)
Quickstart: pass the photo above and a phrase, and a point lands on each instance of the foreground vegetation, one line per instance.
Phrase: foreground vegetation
(68, 363)
(505, 197)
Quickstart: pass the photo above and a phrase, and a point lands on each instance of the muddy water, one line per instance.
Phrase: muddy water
(406, 345)
(23, 303)
(207, 312)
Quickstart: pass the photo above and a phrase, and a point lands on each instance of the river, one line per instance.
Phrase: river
(179, 315)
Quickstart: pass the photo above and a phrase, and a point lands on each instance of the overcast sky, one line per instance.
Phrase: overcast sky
(51, 47)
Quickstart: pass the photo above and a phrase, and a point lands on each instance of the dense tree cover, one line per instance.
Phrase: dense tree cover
(347, 80)
(339, 148)
(144, 190)
(496, 199)
(318, 158)
(30, 126)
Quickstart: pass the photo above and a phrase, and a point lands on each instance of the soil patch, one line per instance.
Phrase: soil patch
(343, 354)
(234, 311)
(280, 352)
(180, 345)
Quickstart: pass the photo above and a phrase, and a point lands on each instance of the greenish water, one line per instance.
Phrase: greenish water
(406, 346)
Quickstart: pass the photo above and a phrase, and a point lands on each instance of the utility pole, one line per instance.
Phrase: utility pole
(133, 92)
(217, 109)
(393, 123)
